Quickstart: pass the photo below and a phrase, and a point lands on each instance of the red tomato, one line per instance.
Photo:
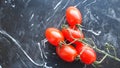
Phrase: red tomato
(73, 16)
(66, 52)
(54, 36)
(70, 34)
(88, 55)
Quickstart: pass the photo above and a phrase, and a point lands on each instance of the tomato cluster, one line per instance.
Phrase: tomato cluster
(66, 51)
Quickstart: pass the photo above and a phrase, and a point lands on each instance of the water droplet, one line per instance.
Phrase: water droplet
(21, 15)
(0, 66)
(13, 5)
(54, 53)
(32, 25)
(56, 64)
(5, 1)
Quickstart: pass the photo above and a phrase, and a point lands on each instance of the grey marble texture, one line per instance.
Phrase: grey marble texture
(23, 24)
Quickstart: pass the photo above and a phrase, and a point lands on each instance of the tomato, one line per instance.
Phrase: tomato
(70, 34)
(73, 16)
(66, 52)
(54, 36)
(88, 55)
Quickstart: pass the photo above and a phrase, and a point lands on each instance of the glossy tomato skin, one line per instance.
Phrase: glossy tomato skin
(73, 16)
(88, 56)
(54, 36)
(70, 34)
(67, 53)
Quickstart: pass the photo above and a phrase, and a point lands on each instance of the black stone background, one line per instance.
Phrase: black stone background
(23, 23)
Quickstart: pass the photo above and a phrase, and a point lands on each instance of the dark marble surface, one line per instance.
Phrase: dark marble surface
(23, 23)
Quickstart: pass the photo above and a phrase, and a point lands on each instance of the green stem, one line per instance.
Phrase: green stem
(103, 52)
(108, 50)
(72, 42)
(94, 46)
(108, 47)
(98, 62)
(99, 50)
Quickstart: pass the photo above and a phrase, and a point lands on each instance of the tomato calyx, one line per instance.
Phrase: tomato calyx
(77, 58)
(61, 43)
(79, 26)
(65, 26)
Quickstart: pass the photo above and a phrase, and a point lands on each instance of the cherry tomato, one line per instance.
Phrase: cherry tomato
(73, 16)
(70, 34)
(88, 55)
(54, 36)
(66, 52)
